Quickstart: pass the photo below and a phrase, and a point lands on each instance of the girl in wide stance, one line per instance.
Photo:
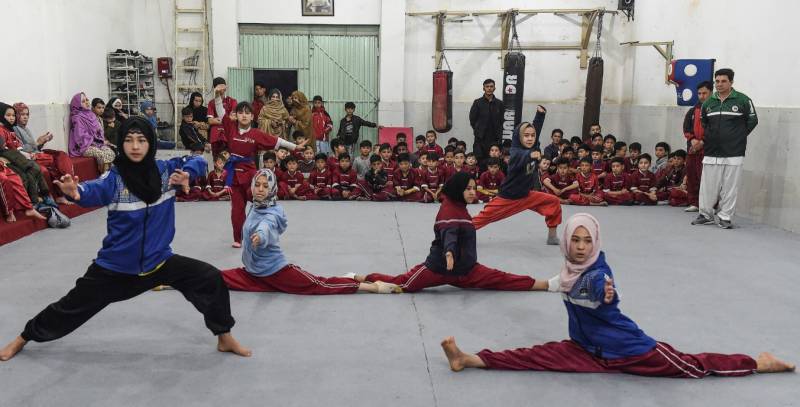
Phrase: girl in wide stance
(602, 339)
(136, 255)
(453, 258)
(265, 267)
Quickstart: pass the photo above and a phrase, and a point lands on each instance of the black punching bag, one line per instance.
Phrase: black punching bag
(442, 104)
(594, 95)
(513, 91)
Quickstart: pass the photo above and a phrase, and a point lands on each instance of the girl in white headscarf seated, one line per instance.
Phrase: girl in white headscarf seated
(266, 268)
(602, 339)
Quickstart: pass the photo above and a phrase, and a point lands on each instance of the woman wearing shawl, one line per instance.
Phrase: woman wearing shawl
(602, 339)
(273, 116)
(86, 137)
(265, 267)
(139, 192)
(199, 114)
(453, 258)
(13, 196)
(300, 117)
(116, 107)
(19, 161)
(53, 163)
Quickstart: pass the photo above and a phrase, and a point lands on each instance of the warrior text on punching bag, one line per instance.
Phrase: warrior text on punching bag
(594, 95)
(442, 105)
(513, 90)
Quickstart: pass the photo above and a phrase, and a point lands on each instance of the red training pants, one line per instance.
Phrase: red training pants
(291, 280)
(694, 171)
(500, 208)
(482, 277)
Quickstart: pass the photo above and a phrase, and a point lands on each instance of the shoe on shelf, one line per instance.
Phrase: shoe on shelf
(691, 208)
(725, 224)
(702, 220)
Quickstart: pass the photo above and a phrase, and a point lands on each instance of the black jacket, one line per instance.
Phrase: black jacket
(727, 124)
(357, 123)
(523, 171)
(486, 119)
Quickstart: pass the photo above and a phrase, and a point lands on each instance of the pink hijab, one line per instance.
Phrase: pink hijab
(571, 270)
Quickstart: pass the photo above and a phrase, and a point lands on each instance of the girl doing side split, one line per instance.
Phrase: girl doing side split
(453, 258)
(244, 143)
(136, 255)
(265, 267)
(602, 339)
(516, 192)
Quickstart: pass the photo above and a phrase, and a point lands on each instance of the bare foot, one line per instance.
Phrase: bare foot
(63, 201)
(227, 343)
(455, 356)
(236, 245)
(12, 348)
(11, 218)
(768, 363)
(34, 214)
(386, 288)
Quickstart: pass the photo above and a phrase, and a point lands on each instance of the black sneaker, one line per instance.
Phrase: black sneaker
(725, 224)
(702, 220)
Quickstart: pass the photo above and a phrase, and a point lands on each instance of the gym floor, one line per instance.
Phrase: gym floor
(701, 289)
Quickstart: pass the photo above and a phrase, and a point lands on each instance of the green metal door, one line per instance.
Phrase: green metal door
(340, 68)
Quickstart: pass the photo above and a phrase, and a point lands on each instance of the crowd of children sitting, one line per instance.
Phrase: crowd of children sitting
(603, 172)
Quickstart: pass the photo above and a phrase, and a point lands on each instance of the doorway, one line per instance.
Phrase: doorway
(285, 80)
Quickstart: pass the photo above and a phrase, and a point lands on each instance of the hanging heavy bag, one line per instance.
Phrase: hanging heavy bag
(594, 96)
(513, 91)
(55, 219)
(442, 104)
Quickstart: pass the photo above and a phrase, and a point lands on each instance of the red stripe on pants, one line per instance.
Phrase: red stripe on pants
(694, 171)
(662, 361)
(290, 279)
(481, 277)
(500, 208)
(240, 194)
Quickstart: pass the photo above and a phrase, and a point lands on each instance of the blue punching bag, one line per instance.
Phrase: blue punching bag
(686, 74)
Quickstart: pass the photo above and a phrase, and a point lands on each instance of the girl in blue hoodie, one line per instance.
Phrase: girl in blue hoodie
(602, 339)
(139, 192)
(265, 267)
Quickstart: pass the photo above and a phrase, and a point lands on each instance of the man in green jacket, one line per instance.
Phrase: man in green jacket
(728, 118)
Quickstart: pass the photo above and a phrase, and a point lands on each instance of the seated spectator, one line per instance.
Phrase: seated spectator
(199, 114)
(20, 162)
(320, 178)
(300, 138)
(13, 196)
(115, 107)
(110, 126)
(86, 137)
(405, 180)
(345, 184)
(389, 165)
(634, 150)
(589, 191)
(672, 185)
(599, 166)
(431, 179)
(190, 136)
(430, 144)
(562, 184)
(338, 148)
(376, 183)
(461, 145)
(215, 189)
(576, 143)
(472, 166)
(643, 183)
(490, 181)
(148, 109)
(98, 108)
(617, 184)
(307, 163)
(662, 152)
(544, 173)
(292, 185)
(52, 163)
(608, 147)
(552, 150)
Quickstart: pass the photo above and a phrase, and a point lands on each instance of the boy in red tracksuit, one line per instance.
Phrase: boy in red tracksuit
(321, 179)
(599, 166)
(544, 174)
(292, 185)
(405, 180)
(472, 166)
(616, 187)
(459, 159)
(431, 179)
(672, 186)
(300, 139)
(694, 132)
(632, 160)
(562, 184)
(215, 189)
(218, 118)
(389, 165)
(243, 144)
(490, 181)
(376, 182)
(431, 146)
(643, 183)
(333, 159)
(344, 183)
(322, 125)
(589, 192)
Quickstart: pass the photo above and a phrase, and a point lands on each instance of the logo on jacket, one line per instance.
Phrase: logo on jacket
(735, 108)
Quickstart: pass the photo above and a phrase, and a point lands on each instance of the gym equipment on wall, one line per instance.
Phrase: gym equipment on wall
(513, 85)
(594, 87)
(442, 101)
(686, 74)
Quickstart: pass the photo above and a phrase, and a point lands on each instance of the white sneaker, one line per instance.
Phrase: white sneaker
(349, 275)
(692, 208)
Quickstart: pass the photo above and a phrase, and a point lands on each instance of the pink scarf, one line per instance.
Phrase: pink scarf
(571, 270)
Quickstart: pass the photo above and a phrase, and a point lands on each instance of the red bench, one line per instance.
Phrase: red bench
(86, 169)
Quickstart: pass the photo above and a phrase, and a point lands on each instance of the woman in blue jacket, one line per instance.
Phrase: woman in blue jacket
(602, 339)
(136, 255)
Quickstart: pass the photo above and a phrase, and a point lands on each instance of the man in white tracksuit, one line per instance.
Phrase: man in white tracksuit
(728, 117)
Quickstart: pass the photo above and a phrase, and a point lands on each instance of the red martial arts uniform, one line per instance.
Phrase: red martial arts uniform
(407, 182)
(489, 181)
(296, 180)
(345, 180)
(216, 184)
(693, 130)
(320, 182)
(432, 180)
(218, 134)
(588, 190)
(561, 182)
(670, 187)
(615, 183)
(642, 182)
(13, 196)
(290, 279)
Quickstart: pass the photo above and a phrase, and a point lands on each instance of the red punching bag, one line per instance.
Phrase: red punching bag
(442, 104)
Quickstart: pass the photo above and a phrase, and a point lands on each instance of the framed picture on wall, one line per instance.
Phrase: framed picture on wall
(317, 7)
